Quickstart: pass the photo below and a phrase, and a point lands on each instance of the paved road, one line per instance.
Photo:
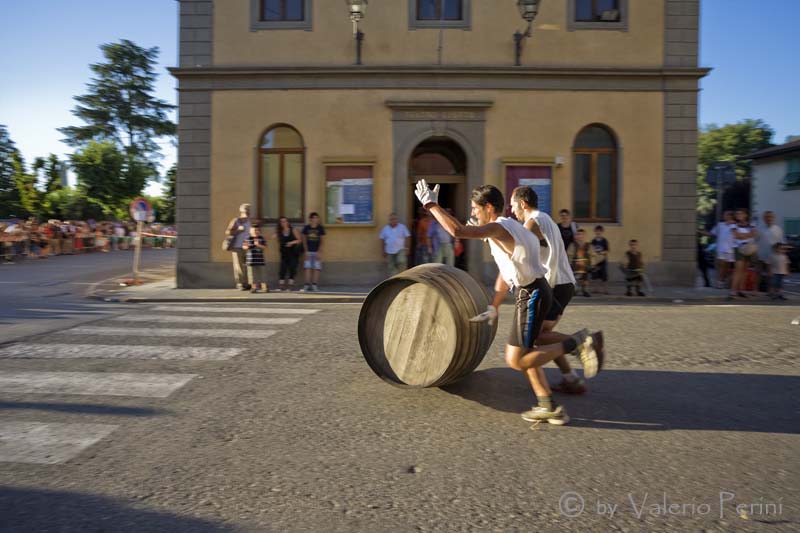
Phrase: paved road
(198, 417)
(41, 295)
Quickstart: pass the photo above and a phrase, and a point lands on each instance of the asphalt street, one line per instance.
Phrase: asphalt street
(210, 417)
(40, 295)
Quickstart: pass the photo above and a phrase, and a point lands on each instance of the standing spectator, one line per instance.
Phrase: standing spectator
(290, 242)
(745, 250)
(723, 232)
(239, 229)
(581, 259)
(441, 243)
(312, 242)
(395, 245)
(567, 227)
(600, 247)
(254, 247)
(634, 269)
(422, 247)
(779, 266)
(769, 235)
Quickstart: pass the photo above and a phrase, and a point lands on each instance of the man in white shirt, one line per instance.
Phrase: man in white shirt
(525, 206)
(768, 236)
(516, 253)
(395, 245)
(723, 232)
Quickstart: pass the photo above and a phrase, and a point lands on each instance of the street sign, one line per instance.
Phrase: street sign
(140, 209)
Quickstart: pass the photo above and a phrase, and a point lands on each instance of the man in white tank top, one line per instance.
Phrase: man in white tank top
(516, 252)
(525, 206)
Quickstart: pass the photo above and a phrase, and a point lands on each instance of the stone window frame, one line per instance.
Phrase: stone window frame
(464, 24)
(256, 24)
(622, 25)
(616, 152)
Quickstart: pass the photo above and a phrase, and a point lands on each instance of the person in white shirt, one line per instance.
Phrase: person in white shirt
(723, 232)
(525, 206)
(769, 234)
(516, 253)
(395, 245)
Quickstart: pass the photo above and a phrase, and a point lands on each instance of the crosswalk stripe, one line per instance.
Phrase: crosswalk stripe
(51, 443)
(26, 350)
(238, 310)
(174, 332)
(237, 321)
(142, 385)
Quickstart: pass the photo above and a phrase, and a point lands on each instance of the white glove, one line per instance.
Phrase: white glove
(425, 195)
(489, 315)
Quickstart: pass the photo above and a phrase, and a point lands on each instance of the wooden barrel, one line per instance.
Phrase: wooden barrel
(414, 328)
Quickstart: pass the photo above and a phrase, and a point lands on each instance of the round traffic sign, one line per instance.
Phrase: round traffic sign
(140, 209)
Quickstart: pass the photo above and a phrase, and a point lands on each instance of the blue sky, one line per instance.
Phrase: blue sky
(48, 46)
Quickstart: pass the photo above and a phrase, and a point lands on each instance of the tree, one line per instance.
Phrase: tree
(120, 108)
(30, 198)
(167, 214)
(98, 167)
(52, 167)
(9, 194)
(729, 143)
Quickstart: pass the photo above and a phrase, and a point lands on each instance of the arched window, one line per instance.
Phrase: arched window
(281, 174)
(595, 184)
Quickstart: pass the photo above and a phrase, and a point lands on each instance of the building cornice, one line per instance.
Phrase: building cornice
(438, 77)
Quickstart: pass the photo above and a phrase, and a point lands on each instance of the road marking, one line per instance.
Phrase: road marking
(246, 310)
(47, 444)
(140, 385)
(174, 332)
(234, 321)
(25, 350)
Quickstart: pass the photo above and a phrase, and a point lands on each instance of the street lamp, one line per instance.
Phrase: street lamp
(358, 9)
(528, 9)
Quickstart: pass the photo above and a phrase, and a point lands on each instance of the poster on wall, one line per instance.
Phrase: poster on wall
(348, 195)
(537, 177)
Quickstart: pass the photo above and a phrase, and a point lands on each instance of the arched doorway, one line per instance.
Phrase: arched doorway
(438, 160)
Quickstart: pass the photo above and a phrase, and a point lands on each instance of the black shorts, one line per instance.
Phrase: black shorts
(562, 294)
(531, 308)
(600, 271)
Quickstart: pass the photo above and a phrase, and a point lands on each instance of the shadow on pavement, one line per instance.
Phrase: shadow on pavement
(83, 408)
(43, 510)
(653, 400)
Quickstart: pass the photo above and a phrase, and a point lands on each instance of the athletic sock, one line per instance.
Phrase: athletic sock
(546, 402)
(569, 345)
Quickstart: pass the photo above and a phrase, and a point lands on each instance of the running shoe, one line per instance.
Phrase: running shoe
(571, 387)
(557, 417)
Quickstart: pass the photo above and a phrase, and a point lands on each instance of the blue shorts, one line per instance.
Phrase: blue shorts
(532, 305)
(312, 261)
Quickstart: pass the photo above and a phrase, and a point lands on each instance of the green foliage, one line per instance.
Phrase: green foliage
(727, 143)
(98, 167)
(167, 212)
(120, 109)
(9, 194)
(30, 197)
(66, 203)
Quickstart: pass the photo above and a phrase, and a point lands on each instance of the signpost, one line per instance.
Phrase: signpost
(140, 210)
(720, 174)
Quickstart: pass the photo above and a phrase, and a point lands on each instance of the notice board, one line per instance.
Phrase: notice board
(349, 194)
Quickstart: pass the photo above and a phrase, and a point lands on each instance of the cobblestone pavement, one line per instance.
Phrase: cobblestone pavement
(696, 413)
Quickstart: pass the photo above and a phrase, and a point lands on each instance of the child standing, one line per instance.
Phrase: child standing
(312, 242)
(779, 266)
(581, 252)
(634, 268)
(600, 247)
(256, 268)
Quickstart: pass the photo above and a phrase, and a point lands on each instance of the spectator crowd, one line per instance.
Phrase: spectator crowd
(31, 239)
